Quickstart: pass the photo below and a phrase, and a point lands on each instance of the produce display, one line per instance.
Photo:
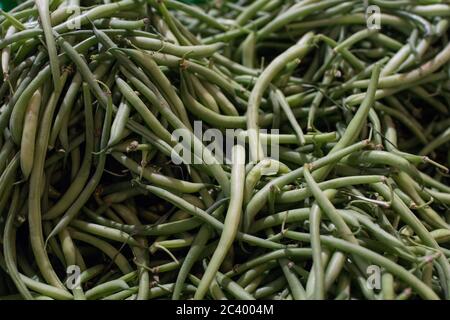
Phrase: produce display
(240, 149)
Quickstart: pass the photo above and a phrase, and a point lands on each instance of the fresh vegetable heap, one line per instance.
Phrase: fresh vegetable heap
(97, 202)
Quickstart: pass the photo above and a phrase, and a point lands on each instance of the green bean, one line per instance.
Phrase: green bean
(150, 230)
(231, 223)
(233, 288)
(74, 209)
(270, 288)
(12, 20)
(76, 142)
(236, 32)
(172, 61)
(327, 207)
(65, 107)
(196, 249)
(29, 134)
(140, 252)
(171, 244)
(109, 250)
(91, 273)
(214, 118)
(260, 198)
(157, 179)
(295, 52)
(95, 13)
(106, 288)
(171, 23)
(395, 62)
(318, 268)
(214, 166)
(313, 110)
(50, 291)
(353, 19)
(411, 124)
(303, 193)
(197, 13)
(387, 281)
(9, 247)
(116, 23)
(44, 17)
(355, 126)
(179, 51)
(264, 167)
(53, 244)
(121, 196)
(6, 54)
(199, 90)
(320, 207)
(440, 196)
(105, 232)
(386, 92)
(441, 235)
(414, 75)
(250, 11)
(248, 50)
(334, 268)
(296, 288)
(427, 180)
(224, 104)
(19, 36)
(290, 115)
(351, 248)
(19, 105)
(7, 177)
(276, 254)
(68, 249)
(443, 138)
(146, 114)
(74, 163)
(424, 44)
(197, 212)
(34, 200)
(5, 153)
(119, 123)
(382, 157)
(377, 231)
(407, 185)
(122, 295)
(150, 66)
(441, 9)
(216, 291)
(163, 290)
(414, 223)
(424, 95)
(256, 272)
(297, 13)
(83, 68)
(15, 75)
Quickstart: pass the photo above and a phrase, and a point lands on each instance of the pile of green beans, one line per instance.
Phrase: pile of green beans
(93, 204)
